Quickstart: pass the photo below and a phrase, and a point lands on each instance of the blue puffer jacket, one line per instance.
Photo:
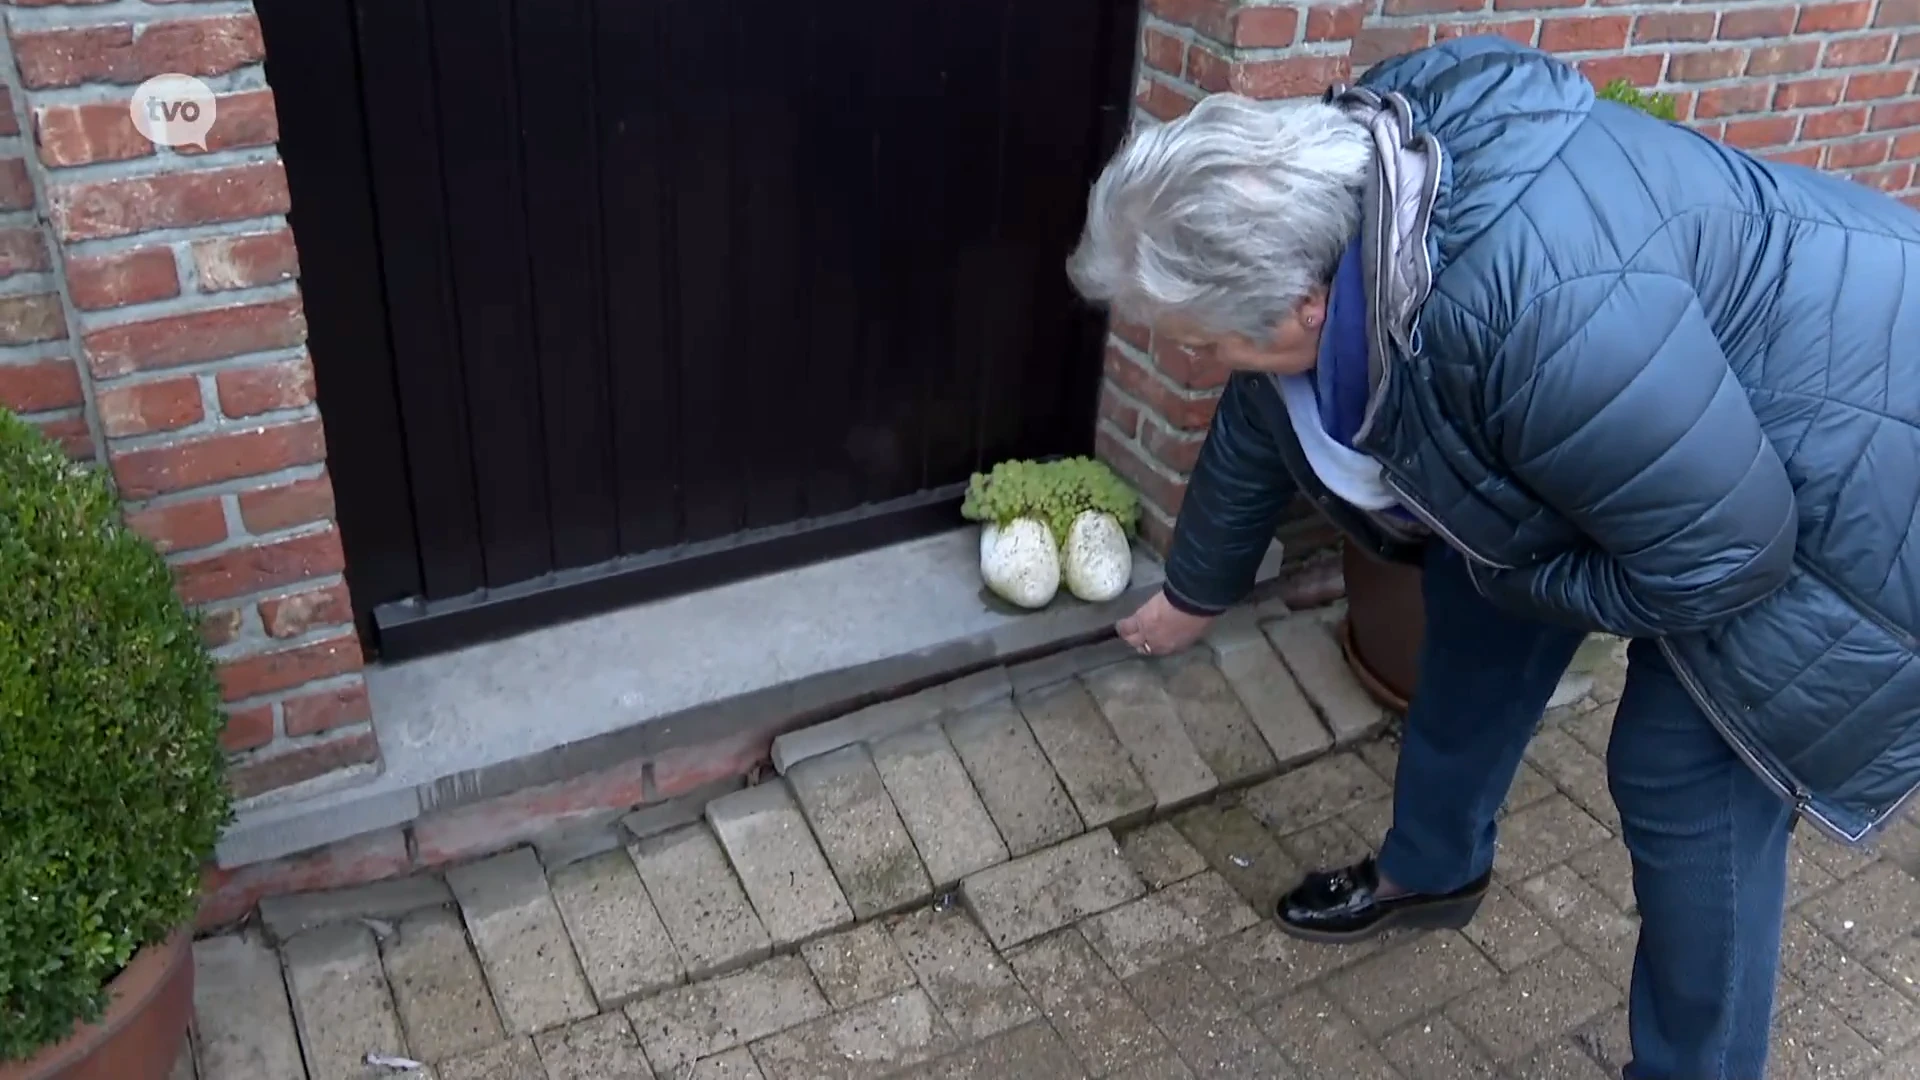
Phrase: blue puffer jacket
(1658, 388)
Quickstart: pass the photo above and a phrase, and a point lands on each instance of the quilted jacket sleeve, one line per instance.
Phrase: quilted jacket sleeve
(1239, 488)
(1614, 404)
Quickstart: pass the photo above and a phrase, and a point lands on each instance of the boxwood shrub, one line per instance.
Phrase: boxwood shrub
(111, 785)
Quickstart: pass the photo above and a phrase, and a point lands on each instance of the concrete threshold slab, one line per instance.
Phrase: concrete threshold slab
(770, 654)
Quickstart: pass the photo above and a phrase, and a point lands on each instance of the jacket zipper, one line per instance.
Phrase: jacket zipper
(1867, 611)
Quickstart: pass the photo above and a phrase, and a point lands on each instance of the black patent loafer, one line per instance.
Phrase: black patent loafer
(1340, 906)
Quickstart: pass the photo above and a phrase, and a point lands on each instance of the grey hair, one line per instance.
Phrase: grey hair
(1228, 216)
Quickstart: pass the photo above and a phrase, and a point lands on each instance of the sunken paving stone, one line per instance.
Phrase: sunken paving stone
(938, 805)
(1095, 768)
(855, 966)
(1042, 892)
(1215, 720)
(285, 916)
(1409, 979)
(973, 988)
(847, 804)
(1508, 931)
(873, 1040)
(1168, 924)
(733, 1065)
(1086, 1003)
(1309, 649)
(1434, 1049)
(1314, 793)
(623, 948)
(1544, 1000)
(437, 987)
(691, 1022)
(341, 1006)
(1887, 1018)
(602, 1048)
(713, 927)
(243, 1024)
(1137, 706)
(1032, 1052)
(522, 943)
(1546, 833)
(1015, 781)
(779, 863)
(1160, 855)
(516, 1060)
(1275, 705)
(1242, 851)
(1201, 1018)
(1322, 1042)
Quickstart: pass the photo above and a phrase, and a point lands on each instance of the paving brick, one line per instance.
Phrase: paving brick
(1382, 753)
(1160, 855)
(1199, 1017)
(1313, 793)
(1322, 1042)
(778, 861)
(1887, 1017)
(1577, 771)
(1310, 651)
(1811, 1041)
(602, 1048)
(1608, 869)
(1577, 911)
(285, 916)
(514, 1060)
(1899, 965)
(437, 987)
(1548, 832)
(1215, 720)
(974, 989)
(1015, 781)
(1262, 964)
(1165, 925)
(1086, 1004)
(1593, 727)
(1508, 931)
(1875, 910)
(855, 966)
(1142, 715)
(1370, 820)
(522, 944)
(876, 1039)
(1544, 1000)
(732, 1065)
(242, 1028)
(691, 1022)
(700, 902)
(340, 1002)
(1409, 979)
(1275, 704)
(1031, 1052)
(1241, 850)
(1562, 1059)
(623, 948)
(1088, 757)
(1530, 786)
(1168, 1067)
(860, 831)
(1437, 1050)
(1042, 892)
(1843, 861)
(1606, 1040)
(1329, 844)
(949, 824)
(680, 811)
(1613, 958)
(878, 721)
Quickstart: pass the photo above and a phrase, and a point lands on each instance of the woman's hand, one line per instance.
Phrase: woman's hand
(1159, 628)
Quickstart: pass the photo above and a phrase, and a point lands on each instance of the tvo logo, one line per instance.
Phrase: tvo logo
(173, 110)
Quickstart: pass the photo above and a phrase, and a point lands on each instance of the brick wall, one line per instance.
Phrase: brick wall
(1830, 85)
(150, 318)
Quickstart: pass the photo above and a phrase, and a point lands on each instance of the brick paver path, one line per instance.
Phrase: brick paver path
(1075, 882)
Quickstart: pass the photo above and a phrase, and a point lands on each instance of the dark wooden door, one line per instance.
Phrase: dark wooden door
(617, 298)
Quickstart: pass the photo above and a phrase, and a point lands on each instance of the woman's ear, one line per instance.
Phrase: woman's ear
(1312, 310)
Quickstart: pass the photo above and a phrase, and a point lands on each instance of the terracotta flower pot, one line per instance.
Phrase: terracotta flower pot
(1386, 621)
(139, 1036)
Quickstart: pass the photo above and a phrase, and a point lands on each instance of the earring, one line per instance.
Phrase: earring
(1313, 322)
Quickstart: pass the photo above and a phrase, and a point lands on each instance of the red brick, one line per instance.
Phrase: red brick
(1741, 24)
(245, 261)
(220, 628)
(1584, 33)
(40, 385)
(1712, 130)
(1430, 7)
(1376, 43)
(240, 120)
(1208, 70)
(1664, 26)
(1808, 93)
(1832, 18)
(1888, 178)
(294, 615)
(1296, 76)
(273, 771)
(250, 391)
(196, 337)
(158, 470)
(1190, 411)
(1762, 131)
(1208, 17)
(266, 673)
(1131, 461)
(1898, 13)
(71, 433)
(182, 527)
(1163, 52)
(1907, 146)
(1895, 114)
(16, 186)
(83, 134)
(1118, 411)
(122, 277)
(9, 123)
(270, 564)
(247, 728)
(1859, 153)
(1639, 70)
(1909, 47)
(144, 408)
(1156, 529)
(1335, 22)
(272, 509)
(1190, 369)
(1834, 123)
(1707, 65)
(1520, 30)
(1534, 5)
(95, 209)
(25, 320)
(1788, 59)
(1270, 27)
(1134, 334)
(23, 251)
(310, 714)
(1682, 103)
(1868, 85)
(1806, 155)
(122, 53)
(1732, 101)
(1176, 450)
(227, 896)
(1858, 52)
(1163, 102)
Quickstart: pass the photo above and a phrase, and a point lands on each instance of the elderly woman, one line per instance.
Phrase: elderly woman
(1598, 373)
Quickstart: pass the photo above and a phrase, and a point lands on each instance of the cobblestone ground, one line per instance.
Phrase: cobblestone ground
(1074, 883)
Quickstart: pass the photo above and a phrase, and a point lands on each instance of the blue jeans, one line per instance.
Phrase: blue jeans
(1707, 838)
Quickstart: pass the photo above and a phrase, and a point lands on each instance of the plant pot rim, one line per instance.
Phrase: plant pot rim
(1376, 688)
(145, 978)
